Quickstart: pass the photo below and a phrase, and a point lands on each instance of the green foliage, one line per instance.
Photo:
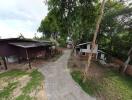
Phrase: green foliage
(72, 17)
(62, 42)
(49, 24)
(77, 18)
(113, 37)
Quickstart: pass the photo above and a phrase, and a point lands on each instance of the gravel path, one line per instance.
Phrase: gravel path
(59, 84)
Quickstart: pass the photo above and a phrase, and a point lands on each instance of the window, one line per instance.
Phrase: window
(83, 53)
(84, 46)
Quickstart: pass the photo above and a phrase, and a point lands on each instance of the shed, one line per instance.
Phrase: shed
(23, 48)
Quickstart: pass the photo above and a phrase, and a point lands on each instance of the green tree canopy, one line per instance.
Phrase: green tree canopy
(49, 24)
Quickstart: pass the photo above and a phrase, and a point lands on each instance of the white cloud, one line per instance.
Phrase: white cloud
(21, 16)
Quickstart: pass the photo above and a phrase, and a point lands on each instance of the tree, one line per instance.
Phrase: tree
(113, 28)
(128, 60)
(94, 38)
(74, 17)
(84, 21)
(49, 24)
(126, 20)
(109, 26)
(119, 21)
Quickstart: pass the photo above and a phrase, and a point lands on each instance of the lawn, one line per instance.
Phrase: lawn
(22, 85)
(110, 86)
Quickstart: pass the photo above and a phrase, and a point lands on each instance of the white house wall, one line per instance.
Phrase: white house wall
(88, 50)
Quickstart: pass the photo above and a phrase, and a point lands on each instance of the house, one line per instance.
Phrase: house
(69, 42)
(84, 49)
(16, 49)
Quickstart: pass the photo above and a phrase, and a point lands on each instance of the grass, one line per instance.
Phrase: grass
(36, 80)
(119, 85)
(89, 87)
(7, 90)
(13, 73)
(113, 86)
(24, 97)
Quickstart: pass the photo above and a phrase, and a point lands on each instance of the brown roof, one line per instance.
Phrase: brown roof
(30, 44)
(17, 40)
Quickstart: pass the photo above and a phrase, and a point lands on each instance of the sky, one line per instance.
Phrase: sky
(21, 16)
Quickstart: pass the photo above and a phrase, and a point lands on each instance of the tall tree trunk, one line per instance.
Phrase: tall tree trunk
(94, 39)
(128, 60)
(126, 64)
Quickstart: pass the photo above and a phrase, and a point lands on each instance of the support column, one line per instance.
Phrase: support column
(5, 64)
(19, 59)
(29, 62)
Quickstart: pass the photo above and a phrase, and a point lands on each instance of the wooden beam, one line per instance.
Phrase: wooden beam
(29, 63)
(5, 64)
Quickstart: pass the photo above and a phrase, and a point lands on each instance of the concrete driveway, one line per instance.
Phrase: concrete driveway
(59, 84)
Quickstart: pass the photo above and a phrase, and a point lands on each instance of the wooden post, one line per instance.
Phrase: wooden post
(19, 59)
(4, 60)
(44, 53)
(28, 59)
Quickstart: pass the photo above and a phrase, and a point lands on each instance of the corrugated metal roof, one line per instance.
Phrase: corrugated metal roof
(17, 39)
(29, 44)
(83, 44)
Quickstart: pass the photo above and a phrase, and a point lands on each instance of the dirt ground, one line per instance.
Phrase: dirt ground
(19, 83)
(78, 64)
(23, 65)
(35, 63)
